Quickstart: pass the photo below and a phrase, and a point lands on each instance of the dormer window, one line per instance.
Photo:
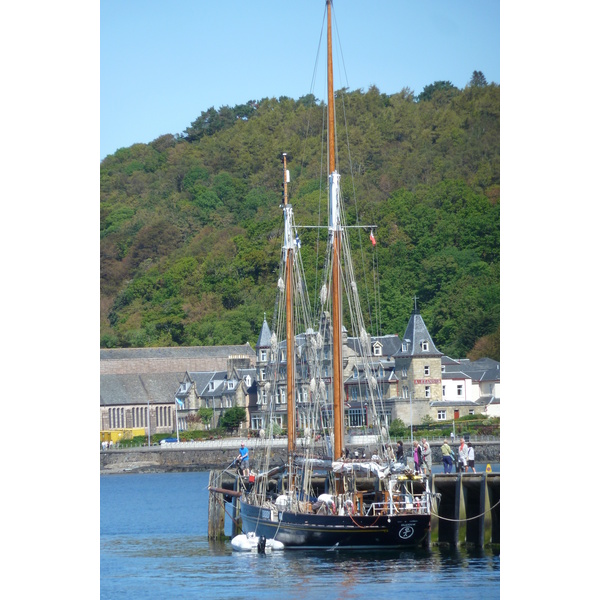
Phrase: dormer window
(425, 346)
(248, 381)
(230, 385)
(211, 386)
(377, 349)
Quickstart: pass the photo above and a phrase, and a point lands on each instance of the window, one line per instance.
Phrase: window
(263, 373)
(230, 385)
(263, 356)
(355, 373)
(426, 370)
(404, 373)
(355, 417)
(459, 390)
(425, 346)
(211, 386)
(441, 415)
(427, 391)
(377, 350)
(443, 368)
(405, 391)
(443, 390)
(471, 411)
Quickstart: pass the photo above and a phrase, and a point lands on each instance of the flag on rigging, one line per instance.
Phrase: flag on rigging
(180, 402)
(372, 238)
(298, 242)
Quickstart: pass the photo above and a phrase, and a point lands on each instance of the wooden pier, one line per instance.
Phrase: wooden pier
(465, 510)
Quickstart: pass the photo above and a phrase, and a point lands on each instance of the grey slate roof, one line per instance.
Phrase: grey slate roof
(176, 352)
(390, 344)
(483, 369)
(122, 389)
(417, 333)
(264, 338)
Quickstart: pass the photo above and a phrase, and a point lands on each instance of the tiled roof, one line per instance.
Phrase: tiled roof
(416, 332)
(389, 344)
(121, 389)
(483, 369)
(178, 352)
(264, 338)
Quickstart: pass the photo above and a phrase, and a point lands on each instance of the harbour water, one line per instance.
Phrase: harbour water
(153, 544)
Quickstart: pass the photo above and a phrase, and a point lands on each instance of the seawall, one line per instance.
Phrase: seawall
(204, 456)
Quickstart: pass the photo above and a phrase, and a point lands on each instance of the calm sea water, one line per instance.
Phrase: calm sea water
(153, 544)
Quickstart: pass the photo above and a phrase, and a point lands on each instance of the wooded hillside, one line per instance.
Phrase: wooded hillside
(191, 224)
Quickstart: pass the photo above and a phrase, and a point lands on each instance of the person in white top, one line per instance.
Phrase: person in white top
(470, 458)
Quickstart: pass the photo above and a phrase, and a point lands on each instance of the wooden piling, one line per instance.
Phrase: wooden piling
(216, 508)
(474, 501)
(448, 507)
(467, 509)
(493, 489)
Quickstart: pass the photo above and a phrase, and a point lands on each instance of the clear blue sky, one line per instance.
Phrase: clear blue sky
(163, 63)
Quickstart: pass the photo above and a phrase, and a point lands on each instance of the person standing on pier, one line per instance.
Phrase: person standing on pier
(399, 451)
(463, 455)
(417, 456)
(470, 457)
(426, 457)
(447, 457)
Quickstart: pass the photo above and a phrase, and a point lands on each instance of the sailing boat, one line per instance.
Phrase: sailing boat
(362, 503)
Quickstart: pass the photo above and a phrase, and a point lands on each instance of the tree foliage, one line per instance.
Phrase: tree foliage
(233, 417)
(190, 225)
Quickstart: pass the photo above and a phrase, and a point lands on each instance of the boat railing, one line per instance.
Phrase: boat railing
(416, 504)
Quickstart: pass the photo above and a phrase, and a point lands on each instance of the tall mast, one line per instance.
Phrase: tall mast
(336, 233)
(289, 307)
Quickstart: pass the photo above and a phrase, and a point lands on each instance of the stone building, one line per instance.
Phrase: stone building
(138, 385)
(414, 378)
(217, 390)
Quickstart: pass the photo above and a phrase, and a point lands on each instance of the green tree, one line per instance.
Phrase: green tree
(478, 79)
(232, 418)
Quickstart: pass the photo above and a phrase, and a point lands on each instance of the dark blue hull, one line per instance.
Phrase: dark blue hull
(299, 530)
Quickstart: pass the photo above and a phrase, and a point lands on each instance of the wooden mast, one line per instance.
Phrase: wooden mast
(289, 307)
(335, 228)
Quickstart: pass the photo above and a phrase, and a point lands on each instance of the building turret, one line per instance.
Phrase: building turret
(416, 340)
(418, 364)
(264, 343)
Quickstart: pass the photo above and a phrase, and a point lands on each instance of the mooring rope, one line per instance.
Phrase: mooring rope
(470, 518)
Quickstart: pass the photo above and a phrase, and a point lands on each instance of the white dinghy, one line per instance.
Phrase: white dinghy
(249, 542)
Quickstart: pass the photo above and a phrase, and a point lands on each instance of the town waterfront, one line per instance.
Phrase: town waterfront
(153, 543)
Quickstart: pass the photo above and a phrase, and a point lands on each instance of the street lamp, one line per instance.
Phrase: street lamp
(407, 341)
(411, 420)
(148, 421)
(180, 403)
